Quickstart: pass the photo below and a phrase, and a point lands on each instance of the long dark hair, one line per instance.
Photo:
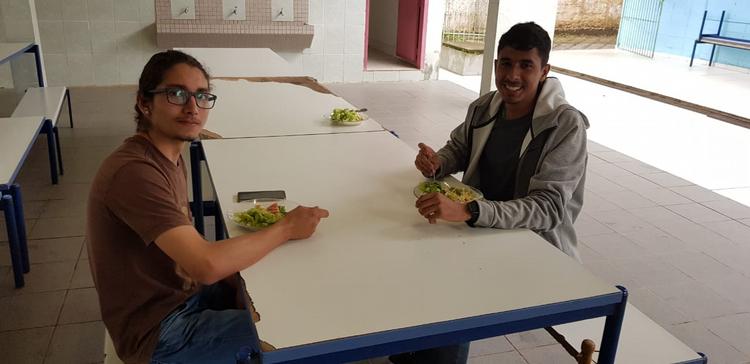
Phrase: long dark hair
(153, 74)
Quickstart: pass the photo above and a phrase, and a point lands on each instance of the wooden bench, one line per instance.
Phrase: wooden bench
(641, 341)
(717, 39)
(17, 136)
(48, 102)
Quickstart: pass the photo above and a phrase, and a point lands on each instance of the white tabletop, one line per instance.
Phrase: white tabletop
(44, 101)
(375, 264)
(16, 139)
(9, 49)
(242, 62)
(641, 339)
(256, 109)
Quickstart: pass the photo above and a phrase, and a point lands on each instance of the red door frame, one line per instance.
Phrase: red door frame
(422, 34)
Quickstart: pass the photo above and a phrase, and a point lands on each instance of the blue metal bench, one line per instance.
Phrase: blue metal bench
(717, 39)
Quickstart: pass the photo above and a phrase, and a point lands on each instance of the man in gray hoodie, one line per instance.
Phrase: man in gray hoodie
(523, 146)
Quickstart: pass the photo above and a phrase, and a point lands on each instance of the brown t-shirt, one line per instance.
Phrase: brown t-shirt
(137, 195)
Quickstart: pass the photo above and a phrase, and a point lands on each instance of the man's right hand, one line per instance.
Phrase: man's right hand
(302, 221)
(427, 160)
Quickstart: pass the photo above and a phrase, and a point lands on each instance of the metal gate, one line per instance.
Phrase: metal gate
(639, 25)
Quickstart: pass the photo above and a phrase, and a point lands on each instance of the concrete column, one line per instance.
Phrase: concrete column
(504, 14)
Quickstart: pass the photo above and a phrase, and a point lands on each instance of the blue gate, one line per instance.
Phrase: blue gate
(639, 25)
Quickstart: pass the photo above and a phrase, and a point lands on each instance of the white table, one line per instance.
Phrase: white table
(256, 109)
(10, 50)
(17, 136)
(376, 276)
(247, 109)
(242, 62)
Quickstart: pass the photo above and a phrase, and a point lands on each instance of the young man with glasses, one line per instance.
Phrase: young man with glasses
(166, 294)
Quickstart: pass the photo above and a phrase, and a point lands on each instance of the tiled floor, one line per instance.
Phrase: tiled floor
(681, 249)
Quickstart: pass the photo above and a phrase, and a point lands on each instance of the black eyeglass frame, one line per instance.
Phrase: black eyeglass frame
(167, 90)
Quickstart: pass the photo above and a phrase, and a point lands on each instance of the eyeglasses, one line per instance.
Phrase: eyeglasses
(180, 96)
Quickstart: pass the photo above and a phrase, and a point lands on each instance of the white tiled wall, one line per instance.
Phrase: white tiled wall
(16, 26)
(95, 42)
(107, 42)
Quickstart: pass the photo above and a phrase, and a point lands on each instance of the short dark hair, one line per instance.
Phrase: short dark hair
(525, 37)
(153, 74)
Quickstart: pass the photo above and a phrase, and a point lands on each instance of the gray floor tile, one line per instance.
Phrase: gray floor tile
(551, 354)
(732, 286)
(43, 277)
(735, 258)
(638, 167)
(629, 200)
(612, 245)
(733, 330)
(30, 310)
(49, 250)
(621, 221)
(634, 182)
(698, 338)
(82, 275)
(25, 346)
(695, 300)
(490, 346)
(666, 180)
(697, 264)
(586, 225)
(613, 156)
(511, 357)
(698, 212)
(64, 208)
(81, 305)
(58, 227)
(729, 208)
(77, 343)
(732, 230)
(654, 307)
(697, 193)
(664, 196)
(657, 242)
(531, 339)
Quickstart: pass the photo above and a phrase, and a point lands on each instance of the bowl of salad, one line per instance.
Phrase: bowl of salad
(260, 213)
(347, 117)
(458, 192)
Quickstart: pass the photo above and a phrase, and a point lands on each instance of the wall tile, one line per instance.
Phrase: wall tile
(103, 37)
(74, 10)
(356, 12)
(52, 36)
(130, 67)
(56, 66)
(49, 9)
(334, 68)
(318, 42)
(313, 64)
(315, 15)
(101, 10)
(334, 11)
(354, 67)
(77, 36)
(354, 42)
(128, 37)
(105, 70)
(127, 10)
(147, 11)
(334, 39)
(19, 31)
(80, 70)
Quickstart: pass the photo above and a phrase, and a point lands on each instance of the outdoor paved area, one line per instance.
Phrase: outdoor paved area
(680, 248)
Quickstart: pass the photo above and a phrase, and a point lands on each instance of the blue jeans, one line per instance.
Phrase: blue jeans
(207, 328)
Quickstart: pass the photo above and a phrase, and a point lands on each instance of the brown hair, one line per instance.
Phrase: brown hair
(153, 74)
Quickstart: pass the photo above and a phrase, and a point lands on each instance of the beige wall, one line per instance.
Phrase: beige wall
(583, 15)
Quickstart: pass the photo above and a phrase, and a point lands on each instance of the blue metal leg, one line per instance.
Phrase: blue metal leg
(52, 149)
(195, 173)
(612, 327)
(693, 55)
(711, 60)
(6, 204)
(70, 109)
(15, 191)
(59, 151)
(219, 226)
(38, 59)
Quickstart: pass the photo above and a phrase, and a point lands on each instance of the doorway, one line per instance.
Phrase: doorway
(395, 35)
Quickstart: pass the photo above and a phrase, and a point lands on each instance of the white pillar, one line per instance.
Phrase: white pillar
(506, 14)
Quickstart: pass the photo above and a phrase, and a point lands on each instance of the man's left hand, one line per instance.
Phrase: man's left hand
(435, 206)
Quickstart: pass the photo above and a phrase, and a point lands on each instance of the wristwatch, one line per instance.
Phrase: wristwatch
(473, 207)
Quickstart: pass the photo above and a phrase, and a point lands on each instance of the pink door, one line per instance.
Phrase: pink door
(411, 27)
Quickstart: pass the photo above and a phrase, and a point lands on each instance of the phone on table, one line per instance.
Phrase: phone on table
(254, 195)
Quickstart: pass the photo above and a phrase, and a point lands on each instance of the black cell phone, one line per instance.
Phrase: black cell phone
(254, 195)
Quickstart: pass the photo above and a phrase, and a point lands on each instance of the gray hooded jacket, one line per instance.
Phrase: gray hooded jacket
(551, 166)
